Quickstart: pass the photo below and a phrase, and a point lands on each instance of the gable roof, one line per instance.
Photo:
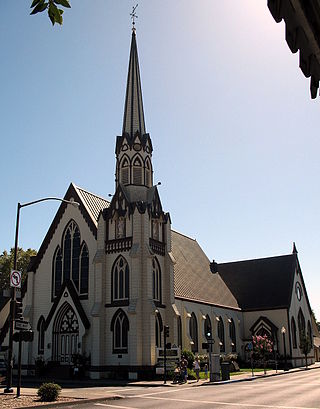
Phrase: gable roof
(90, 207)
(261, 284)
(193, 279)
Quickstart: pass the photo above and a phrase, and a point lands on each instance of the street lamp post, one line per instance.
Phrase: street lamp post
(8, 388)
(283, 332)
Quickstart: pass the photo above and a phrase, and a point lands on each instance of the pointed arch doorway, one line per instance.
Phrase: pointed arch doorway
(65, 335)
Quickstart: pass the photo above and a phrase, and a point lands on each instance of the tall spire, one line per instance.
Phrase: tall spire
(133, 118)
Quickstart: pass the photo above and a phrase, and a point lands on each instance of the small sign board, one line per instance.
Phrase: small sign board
(21, 325)
(15, 279)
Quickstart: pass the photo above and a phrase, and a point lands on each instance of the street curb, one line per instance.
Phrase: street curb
(254, 378)
(76, 401)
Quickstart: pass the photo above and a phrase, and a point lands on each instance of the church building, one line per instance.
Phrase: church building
(111, 275)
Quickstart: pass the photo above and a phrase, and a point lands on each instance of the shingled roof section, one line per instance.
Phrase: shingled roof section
(260, 284)
(193, 279)
(95, 204)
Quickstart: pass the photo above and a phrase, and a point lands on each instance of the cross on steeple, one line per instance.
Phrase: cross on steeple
(133, 16)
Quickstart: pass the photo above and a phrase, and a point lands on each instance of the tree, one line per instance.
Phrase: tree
(305, 345)
(262, 346)
(54, 13)
(6, 265)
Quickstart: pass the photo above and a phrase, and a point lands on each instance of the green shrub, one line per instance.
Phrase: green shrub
(49, 392)
(189, 357)
(191, 374)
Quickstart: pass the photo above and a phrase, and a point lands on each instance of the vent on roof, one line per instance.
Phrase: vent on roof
(214, 267)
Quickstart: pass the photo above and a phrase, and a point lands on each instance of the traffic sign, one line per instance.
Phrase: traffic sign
(21, 325)
(15, 279)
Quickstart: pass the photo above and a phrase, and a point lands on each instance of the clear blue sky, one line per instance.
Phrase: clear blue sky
(235, 133)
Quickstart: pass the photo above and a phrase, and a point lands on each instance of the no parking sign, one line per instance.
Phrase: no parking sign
(15, 279)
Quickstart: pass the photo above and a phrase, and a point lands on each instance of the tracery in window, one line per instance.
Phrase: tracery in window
(294, 333)
(156, 280)
(120, 279)
(120, 329)
(71, 261)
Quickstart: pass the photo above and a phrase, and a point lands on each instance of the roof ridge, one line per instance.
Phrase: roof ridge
(257, 259)
(184, 235)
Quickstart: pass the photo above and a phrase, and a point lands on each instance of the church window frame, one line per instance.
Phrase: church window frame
(148, 173)
(193, 331)
(57, 271)
(156, 281)
(41, 335)
(207, 327)
(179, 327)
(221, 335)
(120, 280)
(309, 332)
(158, 330)
(120, 331)
(137, 170)
(301, 324)
(294, 333)
(232, 335)
(125, 171)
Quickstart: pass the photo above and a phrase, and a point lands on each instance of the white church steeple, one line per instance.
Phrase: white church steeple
(134, 147)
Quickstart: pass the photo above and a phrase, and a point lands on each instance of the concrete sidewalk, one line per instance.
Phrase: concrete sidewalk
(105, 391)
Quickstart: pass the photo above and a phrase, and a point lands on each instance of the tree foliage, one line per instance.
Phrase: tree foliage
(54, 12)
(305, 345)
(6, 265)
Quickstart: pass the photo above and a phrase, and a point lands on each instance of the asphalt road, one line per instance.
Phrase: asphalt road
(300, 390)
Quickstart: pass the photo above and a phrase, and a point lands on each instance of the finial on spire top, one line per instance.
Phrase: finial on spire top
(294, 250)
(133, 17)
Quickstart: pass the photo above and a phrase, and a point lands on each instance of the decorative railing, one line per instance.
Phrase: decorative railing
(118, 245)
(157, 247)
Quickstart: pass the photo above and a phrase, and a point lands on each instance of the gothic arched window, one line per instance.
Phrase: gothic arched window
(72, 262)
(41, 333)
(124, 171)
(137, 171)
(179, 332)
(294, 333)
(120, 329)
(57, 271)
(158, 330)
(208, 327)
(84, 269)
(310, 332)
(120, 279)
(232, 335)
(301, 324)
(148, 173)
(156, 280)
(221, 334)
(193, 330)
